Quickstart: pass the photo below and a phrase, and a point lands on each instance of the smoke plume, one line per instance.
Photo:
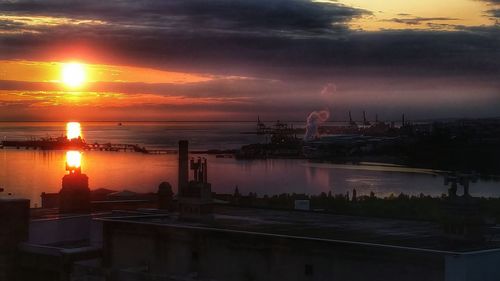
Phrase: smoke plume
(315, 119)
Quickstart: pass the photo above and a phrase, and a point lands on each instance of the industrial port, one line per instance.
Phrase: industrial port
(458, 145)
(467, 145)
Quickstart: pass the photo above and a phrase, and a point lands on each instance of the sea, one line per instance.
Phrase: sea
(28, 173)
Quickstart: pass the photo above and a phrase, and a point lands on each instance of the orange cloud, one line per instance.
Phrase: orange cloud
(105, 100)
(38, 71)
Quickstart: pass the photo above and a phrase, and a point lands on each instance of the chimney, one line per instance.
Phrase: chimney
(199, 171)
(183, 167)
(205, 171)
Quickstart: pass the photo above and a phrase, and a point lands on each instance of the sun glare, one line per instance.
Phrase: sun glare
(73, 130)
(73, 159)
(73, 74)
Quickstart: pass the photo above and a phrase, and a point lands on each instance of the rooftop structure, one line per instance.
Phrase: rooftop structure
(74, 196)
(195, 196)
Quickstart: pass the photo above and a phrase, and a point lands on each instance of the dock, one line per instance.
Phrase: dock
(79, 144)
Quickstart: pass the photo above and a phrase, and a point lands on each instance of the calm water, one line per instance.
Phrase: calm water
(201, 135)
(27, 173)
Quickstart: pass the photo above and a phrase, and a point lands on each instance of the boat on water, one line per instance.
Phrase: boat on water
(223, 155)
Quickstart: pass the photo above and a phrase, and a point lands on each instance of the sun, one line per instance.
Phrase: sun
(73, 74)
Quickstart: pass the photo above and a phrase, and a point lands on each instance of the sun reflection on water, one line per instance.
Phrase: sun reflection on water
(73, 130)
(73, 159)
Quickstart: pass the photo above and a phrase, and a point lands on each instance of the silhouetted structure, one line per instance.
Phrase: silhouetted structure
(183, 171)
(462, 220)
(195, 197)
(236, 195)
(365, 122)
(74, 196)
(14, 229)
(351, 122)
(165, 196)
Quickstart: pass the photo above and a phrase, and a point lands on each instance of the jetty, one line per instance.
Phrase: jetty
(62, 143)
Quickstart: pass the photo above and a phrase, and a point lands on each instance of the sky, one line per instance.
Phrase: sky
(235, 60)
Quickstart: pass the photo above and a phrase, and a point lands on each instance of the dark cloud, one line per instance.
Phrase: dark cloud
(242, 37)
(217, 15)
(419, 20)
(293, 48)
(494, 12)
(7, 25)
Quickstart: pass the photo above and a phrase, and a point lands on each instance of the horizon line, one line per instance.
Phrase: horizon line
(241, 121)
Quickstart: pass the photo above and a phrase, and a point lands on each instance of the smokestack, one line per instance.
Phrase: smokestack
(183, 167)
(199, 171)
(205, 171)
(364, 117)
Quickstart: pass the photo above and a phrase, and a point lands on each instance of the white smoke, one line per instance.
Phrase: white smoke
(315, 119)
(328, 91)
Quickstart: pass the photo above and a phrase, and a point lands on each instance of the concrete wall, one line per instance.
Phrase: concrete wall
(14, 220)
(231, 256)
(70, 229)
(475, 266)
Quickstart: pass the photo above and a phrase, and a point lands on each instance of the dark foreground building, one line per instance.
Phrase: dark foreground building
(252, 244)
(241, 244)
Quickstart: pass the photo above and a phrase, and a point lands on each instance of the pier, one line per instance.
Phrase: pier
(79, 144)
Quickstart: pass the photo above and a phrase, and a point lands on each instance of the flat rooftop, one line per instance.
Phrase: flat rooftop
(419, 235)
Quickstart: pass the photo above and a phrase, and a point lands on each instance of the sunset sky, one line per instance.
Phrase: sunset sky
(234, 60)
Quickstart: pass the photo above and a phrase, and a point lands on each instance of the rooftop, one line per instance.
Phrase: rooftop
(418, 235)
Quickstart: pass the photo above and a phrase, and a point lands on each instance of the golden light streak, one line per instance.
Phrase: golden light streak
(40, 71)
(104, 100)
(50, 21)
